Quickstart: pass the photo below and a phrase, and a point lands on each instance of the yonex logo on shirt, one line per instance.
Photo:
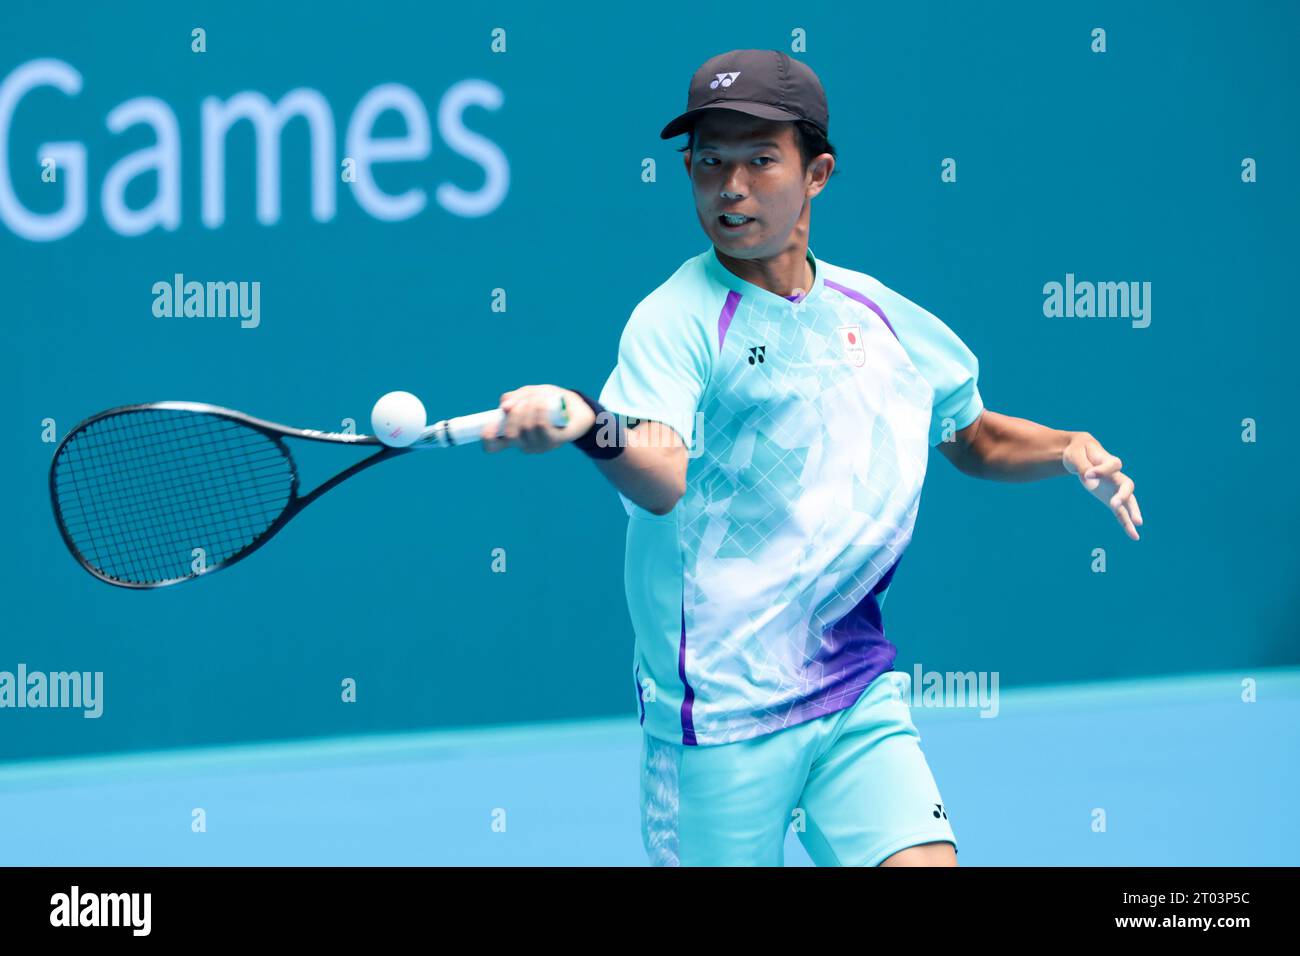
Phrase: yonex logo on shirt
(759, 352)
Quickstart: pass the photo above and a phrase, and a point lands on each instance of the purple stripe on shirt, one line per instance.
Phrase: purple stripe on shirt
(688, 698)
(858, 296)
(639, 699)
(854, 651)
(728, 312)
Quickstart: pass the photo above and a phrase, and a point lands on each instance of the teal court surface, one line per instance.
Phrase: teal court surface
(1184, 770)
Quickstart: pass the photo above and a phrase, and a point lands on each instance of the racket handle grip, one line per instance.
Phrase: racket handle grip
(467, 429)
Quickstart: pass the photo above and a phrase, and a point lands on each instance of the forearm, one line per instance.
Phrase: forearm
(651, 469)
(1004, 448)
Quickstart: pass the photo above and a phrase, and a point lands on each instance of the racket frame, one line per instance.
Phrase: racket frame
(441, 434)
(272, 430)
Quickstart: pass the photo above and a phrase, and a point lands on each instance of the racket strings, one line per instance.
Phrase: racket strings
(137, 492)
(155, 522)
(109, 485)
(133, 505)
(162, 503)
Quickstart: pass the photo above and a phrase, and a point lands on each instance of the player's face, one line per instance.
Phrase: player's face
(752, 167)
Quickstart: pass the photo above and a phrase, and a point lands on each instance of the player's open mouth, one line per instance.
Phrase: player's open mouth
(728, 221)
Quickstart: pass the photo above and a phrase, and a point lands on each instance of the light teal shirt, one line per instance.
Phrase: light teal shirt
(756, 601)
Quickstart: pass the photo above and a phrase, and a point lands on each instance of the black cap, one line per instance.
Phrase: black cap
(763, 83)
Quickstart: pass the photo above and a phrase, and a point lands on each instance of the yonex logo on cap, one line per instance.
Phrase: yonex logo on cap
(724, 80)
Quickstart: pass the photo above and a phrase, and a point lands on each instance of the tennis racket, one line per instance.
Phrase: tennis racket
(151, 495)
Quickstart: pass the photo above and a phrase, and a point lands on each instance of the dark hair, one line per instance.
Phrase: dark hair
(811, 140)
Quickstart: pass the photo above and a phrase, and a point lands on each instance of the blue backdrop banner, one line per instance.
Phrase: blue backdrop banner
(459, 200)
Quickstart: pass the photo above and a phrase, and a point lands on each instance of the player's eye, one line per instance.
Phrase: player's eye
(711, 160)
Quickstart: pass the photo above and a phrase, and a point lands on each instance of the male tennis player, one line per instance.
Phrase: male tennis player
(757, 564)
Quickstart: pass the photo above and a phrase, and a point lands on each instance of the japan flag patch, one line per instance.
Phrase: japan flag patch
(851, 339)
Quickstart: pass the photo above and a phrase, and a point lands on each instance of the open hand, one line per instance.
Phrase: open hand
(1099, 473)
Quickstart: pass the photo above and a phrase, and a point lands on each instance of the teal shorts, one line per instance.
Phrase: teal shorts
(854, 785)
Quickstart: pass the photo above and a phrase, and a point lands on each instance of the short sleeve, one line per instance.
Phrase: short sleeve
(664, 364)
(943, 360)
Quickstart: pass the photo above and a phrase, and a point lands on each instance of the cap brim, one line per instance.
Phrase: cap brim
(684, 122)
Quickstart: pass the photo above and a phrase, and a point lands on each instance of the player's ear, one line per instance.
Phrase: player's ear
(819, 173)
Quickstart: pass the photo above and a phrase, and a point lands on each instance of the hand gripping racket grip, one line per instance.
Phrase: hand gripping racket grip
(468, 429)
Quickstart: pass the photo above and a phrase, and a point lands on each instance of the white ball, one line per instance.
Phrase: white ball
(397, 419)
